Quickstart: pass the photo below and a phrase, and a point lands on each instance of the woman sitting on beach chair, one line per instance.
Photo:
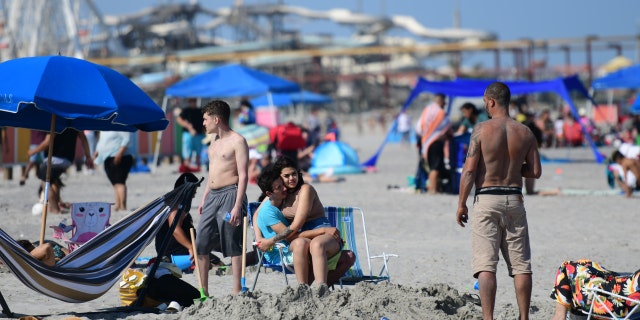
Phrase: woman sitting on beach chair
(584, 287)
(302, 207)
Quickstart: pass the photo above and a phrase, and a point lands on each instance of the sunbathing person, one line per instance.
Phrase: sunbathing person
(303, 209)
(574, 276)
(44, 253)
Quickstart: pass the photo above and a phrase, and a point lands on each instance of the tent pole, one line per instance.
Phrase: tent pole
(156, 149)
(52, 135)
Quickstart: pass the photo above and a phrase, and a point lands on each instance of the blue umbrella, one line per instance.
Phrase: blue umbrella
(55, 92)
(81, 94)
(233, 80)
(289, 98)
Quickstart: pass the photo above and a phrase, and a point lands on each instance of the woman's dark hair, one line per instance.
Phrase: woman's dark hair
(184, 178)
(282, 162)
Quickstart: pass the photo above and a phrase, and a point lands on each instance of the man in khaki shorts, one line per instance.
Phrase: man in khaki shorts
(501, 153)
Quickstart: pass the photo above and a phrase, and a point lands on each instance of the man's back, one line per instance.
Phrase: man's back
(504, 146)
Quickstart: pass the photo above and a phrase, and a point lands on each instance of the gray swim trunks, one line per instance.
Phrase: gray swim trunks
(215, 234)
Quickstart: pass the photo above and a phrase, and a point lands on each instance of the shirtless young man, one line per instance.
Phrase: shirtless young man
(501, 152)
(629, 181)
(225, 194)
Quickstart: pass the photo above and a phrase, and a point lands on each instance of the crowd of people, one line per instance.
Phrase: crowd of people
(502, 157)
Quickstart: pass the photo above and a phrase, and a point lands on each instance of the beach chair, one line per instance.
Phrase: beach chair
(88, 219)
(602, 300)
(343, 218)
(277, 267)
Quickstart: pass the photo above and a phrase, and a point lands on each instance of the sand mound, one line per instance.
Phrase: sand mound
(364, 301)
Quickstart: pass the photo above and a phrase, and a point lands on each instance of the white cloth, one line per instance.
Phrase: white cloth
(404, 122)
(630, 180)
(629, 150)
(110, 143)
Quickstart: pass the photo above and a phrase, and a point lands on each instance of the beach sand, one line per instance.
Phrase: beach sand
(431, 277)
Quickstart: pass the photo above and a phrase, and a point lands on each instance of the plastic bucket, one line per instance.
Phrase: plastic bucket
(183, 261)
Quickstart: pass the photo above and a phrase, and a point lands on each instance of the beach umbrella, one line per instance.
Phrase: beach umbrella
(52, 93)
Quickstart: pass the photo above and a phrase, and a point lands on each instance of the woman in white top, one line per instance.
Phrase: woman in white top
(113, 151)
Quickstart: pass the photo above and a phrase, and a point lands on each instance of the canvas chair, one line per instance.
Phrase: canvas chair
(88, 219)
(344, 220)
(93, 268)
(602, 298)
(277, 267)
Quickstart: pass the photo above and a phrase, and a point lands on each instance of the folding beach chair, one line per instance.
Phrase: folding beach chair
(344, 220)
(277, 267)
(602, 299)
(88, 219)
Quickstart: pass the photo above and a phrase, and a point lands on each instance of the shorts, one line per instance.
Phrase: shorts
(321, 222)
(435, 156)
(191, 144)
(215, 234)
(118, 174)
(332, 262)
(499, 223)
(58, 167)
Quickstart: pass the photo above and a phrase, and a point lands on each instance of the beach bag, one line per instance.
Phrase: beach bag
(289, 137)
(132, 280)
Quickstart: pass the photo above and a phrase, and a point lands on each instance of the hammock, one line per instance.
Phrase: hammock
(92, 269)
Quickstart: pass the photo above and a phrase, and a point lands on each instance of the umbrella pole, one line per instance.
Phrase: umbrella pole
(45, 206)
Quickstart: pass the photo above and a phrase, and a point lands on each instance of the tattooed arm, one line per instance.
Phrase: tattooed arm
(468, 175)
(282, 232)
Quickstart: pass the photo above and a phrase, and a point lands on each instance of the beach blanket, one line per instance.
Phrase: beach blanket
(574, 277)
(432, 125)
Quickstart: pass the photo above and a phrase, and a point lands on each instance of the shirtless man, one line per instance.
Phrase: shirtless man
(224, 202)
(628, 178)
(501, 153)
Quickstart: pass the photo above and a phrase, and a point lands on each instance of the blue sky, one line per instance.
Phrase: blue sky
(509, 19)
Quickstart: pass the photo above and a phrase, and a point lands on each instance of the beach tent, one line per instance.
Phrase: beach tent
(232, 80)
(475, 88)
(623, 78)
(282, 99)
(335, 157)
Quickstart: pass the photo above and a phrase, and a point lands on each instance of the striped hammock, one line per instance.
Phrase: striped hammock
(92, 269)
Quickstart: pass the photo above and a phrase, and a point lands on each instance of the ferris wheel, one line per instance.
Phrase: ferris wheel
(42, 27)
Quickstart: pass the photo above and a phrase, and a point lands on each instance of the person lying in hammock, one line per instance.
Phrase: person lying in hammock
(49, 253)
(574, 276)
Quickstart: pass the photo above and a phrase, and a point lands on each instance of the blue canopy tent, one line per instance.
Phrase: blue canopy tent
(475, 88)
(623, 78)
(282, 99)
(232, 80)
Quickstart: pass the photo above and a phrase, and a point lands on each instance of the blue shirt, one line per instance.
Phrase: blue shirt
(268, 216)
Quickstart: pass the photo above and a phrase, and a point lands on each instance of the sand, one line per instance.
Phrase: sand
(431, 277)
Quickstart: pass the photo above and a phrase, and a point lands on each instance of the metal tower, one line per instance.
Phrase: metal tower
(41, 27)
